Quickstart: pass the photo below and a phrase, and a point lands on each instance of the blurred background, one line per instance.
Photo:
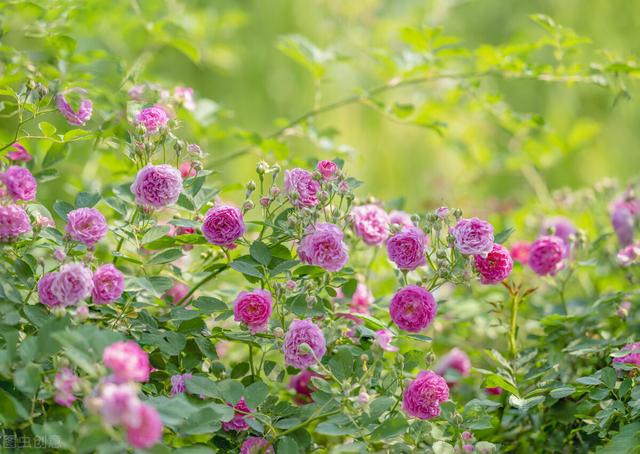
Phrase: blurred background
(486, 146)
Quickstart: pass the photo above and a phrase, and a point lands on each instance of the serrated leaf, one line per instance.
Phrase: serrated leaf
(260, 252)
(167, 256)
(87, 199)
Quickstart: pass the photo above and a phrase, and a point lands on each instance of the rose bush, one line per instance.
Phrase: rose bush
(162, 313)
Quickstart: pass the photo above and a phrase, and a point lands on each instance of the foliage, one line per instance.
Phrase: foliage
(547, 342)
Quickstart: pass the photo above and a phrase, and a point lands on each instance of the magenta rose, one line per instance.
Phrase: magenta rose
(361, 299)
(72, 284)
(323, 246)
(86, 225)
(127, 360)
(14, 222)
(632, 356)
(301, 384)
(303, 332)
(238, 423)
(223, 225)
(423, 396)
(256, 445)
(546, 254)
(407, 248)
(413, 308)
(20, 184)
(328, 169)
(65, 382)
(301, 188)
(253, 309)
(108, 284)
(371, 223)
(495, 267)
(20, 153)
(473, 237)
(562, 228)
(118, 402)
(157, 186)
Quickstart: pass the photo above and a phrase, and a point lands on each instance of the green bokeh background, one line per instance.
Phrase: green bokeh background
(241, 68)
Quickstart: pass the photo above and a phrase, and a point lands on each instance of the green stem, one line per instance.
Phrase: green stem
(513, 325)
(201, 283)
(308, 421)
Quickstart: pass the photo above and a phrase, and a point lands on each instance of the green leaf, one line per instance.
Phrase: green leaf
(590, 380)
(11, 410)
(256, 393)
(155, 233)
(498, 381)
(331, 429)
(260, 252)
(56, 153)
(232, 390)
(525, 405)
(559, 393)
(167, 256)
(200, 385)
(392, 427)
(27, 379)
(187, 48)
(246, 268)
(117, 204)
(209, 304)
(283, 267)
(47, 129)
(62, 209)
(287, 445)
(608, 377)
(503, 236)
(625, 441)
(87, 199)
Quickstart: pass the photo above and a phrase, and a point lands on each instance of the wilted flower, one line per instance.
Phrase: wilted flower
(75, 117)
(20, 153)
(238, 422)
(256, 445)
(384, 338)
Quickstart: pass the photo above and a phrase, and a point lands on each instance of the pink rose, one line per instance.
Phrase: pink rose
(384, 338)
(20, 153)
(127, 361)
(361, 299)
(328, 169)
(72, 284)
(238, 422)
(400, 218)
(75, 117)
(473, 237)
(456, 360)
(154, 119)
(407, 248)
(20, 184)
(323, 246)
(371, 223)
(157, 186)
(148, 430)
(301, 188)
(253, 309)
(520, 251)
(86, 225)
(14, 222)
(108, 284)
